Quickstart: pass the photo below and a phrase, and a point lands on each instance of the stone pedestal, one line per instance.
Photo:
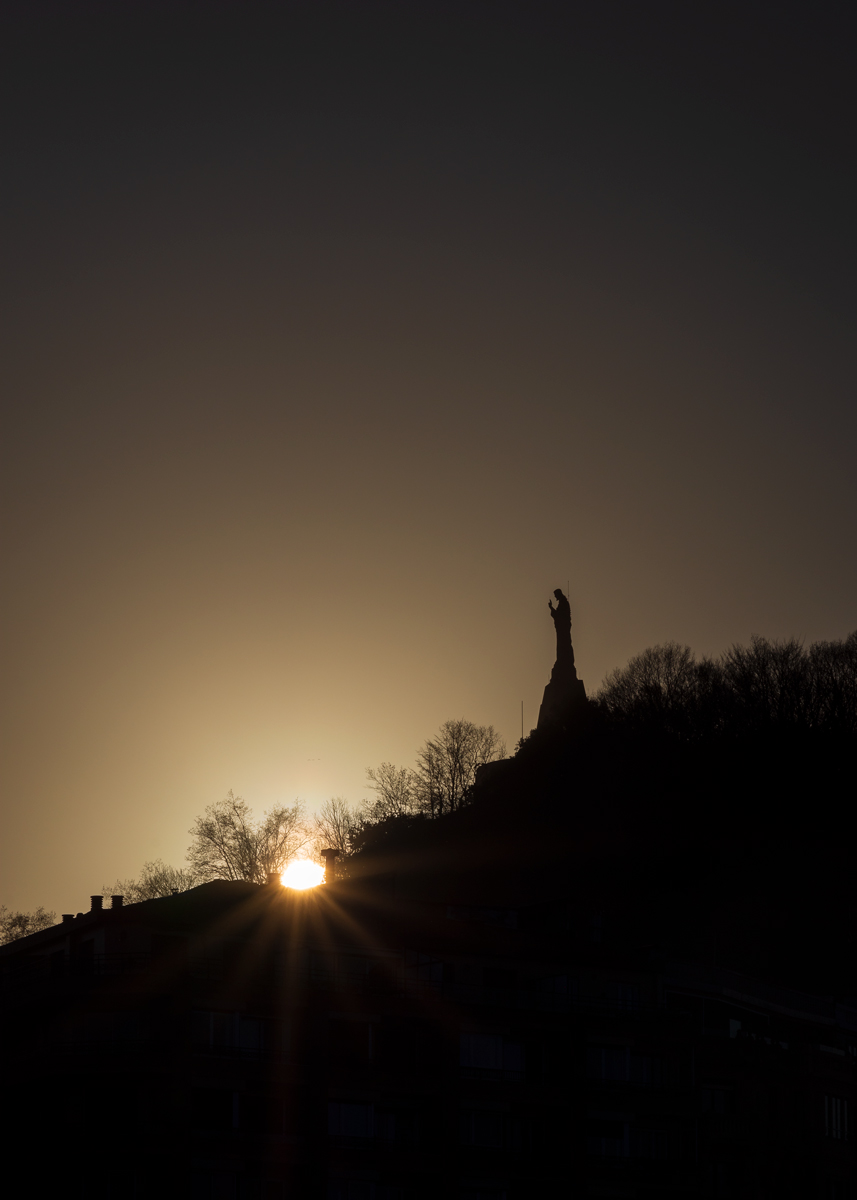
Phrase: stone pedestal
(563, 694)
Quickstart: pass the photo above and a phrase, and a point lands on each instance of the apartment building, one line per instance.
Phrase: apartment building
(358, 1042)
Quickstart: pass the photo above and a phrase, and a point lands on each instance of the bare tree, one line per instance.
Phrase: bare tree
(833, 670)
(334, 826)
(666, 688)
(395, 791)
(228, 844)
(14, 925)
(447, 765)
(769, 682)
(661, 678)
(155, 880)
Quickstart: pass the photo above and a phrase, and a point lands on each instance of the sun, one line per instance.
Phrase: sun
(301, 873)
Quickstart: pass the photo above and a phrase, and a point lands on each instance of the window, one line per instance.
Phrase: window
(651, 1143)
(424, 968)
(127, 1028)
(398, 1125)
(728, 1020)
(686, 1006)
(836, 1118)
(488, 1128)
(623, 996)
(350, 1043)
(488, 916)
(250, 1188)
(646, 1070)
(323, 968)
(499, 980)
(718, 1178)
(363, 1189)
(482, 1050)
(610, 1064)
(212, 1109)
(86, 957)
(718, 1100)
(119, 1029)
(228, 1032)
(490, 1052)
(608, 1139)
(346, 1119)
(205, 1185)
(260, 1114)
(97, 1028)
(354, 968)
(207, 958)
(556, 985)
(249, 1033)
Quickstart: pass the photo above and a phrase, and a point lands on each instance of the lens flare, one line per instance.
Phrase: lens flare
(302, 874)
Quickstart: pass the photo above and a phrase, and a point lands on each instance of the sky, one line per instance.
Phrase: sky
(335, 336)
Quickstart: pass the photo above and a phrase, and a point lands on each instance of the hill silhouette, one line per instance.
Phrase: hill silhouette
(701, 816)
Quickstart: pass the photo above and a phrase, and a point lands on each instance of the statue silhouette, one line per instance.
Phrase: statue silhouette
(562, 624)
(565, 692)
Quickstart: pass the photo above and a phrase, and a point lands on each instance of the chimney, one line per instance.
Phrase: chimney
(67, 918)
(97, 903)
(274, 879)
(330, 857)
(117, 901)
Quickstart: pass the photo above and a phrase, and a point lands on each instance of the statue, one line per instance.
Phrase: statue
(565, 692)
(562, 624)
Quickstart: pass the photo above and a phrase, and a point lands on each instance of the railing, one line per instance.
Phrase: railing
(144, 1044)
(46, 969)
(744, 989)
(536, 999)
(613, 1087)
(493, 1074)
(391, 974)
(385, 975)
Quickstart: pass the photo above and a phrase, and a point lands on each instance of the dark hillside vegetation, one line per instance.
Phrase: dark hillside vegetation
(700, 807)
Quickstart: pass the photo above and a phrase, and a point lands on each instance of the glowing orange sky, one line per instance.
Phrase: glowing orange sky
(333, 346)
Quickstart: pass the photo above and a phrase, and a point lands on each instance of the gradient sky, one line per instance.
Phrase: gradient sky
(336, 336)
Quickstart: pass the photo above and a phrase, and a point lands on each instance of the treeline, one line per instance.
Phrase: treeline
(677, 752)
(749, 690)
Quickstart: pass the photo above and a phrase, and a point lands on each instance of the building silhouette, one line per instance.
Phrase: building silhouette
(391, 1038)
